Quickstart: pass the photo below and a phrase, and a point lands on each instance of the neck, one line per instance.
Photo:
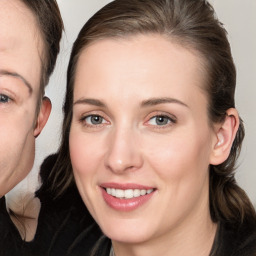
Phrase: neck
(25, 217)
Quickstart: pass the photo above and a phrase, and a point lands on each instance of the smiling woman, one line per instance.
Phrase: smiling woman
(152, 134)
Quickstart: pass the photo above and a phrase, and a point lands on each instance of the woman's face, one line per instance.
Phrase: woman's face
(140, 140)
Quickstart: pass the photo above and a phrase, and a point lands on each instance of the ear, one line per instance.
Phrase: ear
(43, 116)
(225, 135)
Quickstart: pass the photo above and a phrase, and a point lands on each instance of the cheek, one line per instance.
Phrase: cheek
(17, 147)
(84, 153)
(77, 153)
(181, 168)
(180, 155)
(15, 127)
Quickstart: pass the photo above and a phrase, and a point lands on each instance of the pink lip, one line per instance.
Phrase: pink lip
(125, 205)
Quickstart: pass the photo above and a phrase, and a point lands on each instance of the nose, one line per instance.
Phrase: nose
(123, 152)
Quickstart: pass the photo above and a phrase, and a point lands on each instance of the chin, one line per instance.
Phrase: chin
(128, 238)
(127, 232)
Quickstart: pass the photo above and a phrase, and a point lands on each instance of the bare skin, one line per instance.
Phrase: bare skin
(140, 120)
(21, 49)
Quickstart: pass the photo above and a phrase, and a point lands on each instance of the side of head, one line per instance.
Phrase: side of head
(30, 35)
(50, 25)
(193, 25)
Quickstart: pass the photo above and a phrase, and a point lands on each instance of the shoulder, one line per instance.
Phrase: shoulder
(10, 240)
(246, 240)
(7, 228)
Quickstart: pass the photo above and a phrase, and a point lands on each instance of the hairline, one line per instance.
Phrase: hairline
(176, 40)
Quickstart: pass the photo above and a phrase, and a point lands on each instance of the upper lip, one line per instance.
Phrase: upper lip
(125, 186)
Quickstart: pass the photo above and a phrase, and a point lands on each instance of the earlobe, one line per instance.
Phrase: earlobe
(43, 116)
(225, 135)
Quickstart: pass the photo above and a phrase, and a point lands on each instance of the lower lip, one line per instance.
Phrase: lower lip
(125, 205)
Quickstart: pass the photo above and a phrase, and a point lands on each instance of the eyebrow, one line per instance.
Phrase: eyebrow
(157, 101)
(89, 101)
(145, 103)
(16, 75)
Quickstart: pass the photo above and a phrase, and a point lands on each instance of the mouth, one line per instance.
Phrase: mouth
(126, 197)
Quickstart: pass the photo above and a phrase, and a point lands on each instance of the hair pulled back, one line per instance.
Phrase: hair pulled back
(192, 24)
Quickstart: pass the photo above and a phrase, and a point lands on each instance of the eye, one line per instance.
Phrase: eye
(4, 98)
(94, 120)
(160, 120)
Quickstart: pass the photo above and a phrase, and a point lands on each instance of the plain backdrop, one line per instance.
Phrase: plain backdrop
(238, 17)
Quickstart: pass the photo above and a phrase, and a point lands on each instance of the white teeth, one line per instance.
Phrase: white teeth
(128, 193)
(113, 191)
(143, 192)
(119, 193)
(136, 192)
(149, 191)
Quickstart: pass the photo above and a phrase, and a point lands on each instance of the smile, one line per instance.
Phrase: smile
(127, 193)
(126, 197)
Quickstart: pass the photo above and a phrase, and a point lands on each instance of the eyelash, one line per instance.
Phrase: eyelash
(171, 120)
(4, 99)
(83, 121)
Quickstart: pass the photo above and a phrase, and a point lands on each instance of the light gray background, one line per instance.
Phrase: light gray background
(239, 19)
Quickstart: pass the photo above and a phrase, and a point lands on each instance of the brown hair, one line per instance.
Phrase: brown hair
(50, 23)
(193, 24)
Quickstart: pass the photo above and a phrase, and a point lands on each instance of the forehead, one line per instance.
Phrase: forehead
(21, 44)
(144, 58)
(125, 73)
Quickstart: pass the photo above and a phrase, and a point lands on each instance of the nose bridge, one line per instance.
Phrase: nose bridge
(123, 151)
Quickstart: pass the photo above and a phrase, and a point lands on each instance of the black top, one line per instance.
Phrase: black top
(235, 240)
(65, 226)
(230, 240)
(9, 245)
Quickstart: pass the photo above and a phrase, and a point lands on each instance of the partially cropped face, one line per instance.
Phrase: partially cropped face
(20, 64)
(140, 139)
